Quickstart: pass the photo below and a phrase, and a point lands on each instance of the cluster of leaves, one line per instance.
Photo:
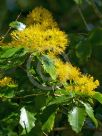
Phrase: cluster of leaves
(29, 110)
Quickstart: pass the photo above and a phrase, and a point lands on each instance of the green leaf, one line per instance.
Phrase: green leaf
(27, 120)
(36, 131)
(95, 37)
(17, 25)
(83, 51)
(39, 104)
(61, 92)
(98, 96)
(48, 118)
(89, 111)
(6, 92)
(48, 125)
(11, 57)
(9, 52)
(76, 118)
(78, 2)
(49, 66)
(59, 100)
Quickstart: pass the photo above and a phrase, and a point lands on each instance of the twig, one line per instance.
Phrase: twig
(83, 18)
(60, 129)
(10, 27)
(45, 134)
(93, 129)
(6, 34)
(25, 127)
(30, 95)
(66, 128)
(96, 10)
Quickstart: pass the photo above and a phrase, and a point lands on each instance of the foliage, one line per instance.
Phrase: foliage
(39, 86)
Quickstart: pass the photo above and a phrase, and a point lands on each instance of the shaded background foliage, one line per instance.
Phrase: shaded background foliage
(82, 20)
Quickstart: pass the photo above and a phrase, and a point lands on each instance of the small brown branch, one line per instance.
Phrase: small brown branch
(60, 129)
(66, 128)
(30, 95)
(10, 27)
(94, 129)
(82, 16)
(45, 134)
(18, 16)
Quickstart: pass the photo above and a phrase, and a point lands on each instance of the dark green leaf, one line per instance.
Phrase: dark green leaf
(7, 92)
(95, 37)
(83, 51)
(60, 100)
(36, 131)
(47, 118)
(48, 125)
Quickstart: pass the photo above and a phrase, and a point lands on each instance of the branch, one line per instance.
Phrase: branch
(60, 128)
(96, 10)
(82, 16)
(30, 95)
(10, 27)
(66, 128)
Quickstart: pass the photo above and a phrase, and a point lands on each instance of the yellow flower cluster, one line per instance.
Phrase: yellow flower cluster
(41, 16)
(84, 85)
(77, 81)
(66, 71)
(41, 35)
(5, 81)
(36, 39)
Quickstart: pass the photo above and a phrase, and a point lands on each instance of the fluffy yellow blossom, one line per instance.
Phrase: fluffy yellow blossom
(84, 84)
(66, 71)
(5, 81)
(42, 17)
(36, 39)
(42, 35)
(77, 81)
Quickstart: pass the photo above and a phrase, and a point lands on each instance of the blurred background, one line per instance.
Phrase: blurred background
(68, 13)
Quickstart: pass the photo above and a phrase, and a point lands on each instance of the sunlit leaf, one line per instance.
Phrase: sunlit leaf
(78, 1)
(98, 96)
(76, 118)
(17, 25)
(48, 118)
(27, 120)
(89, 111)
(49, 66)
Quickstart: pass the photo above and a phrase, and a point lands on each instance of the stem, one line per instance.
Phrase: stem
(96, 10)
(82, 16)
(45, 134)
(25, 127)
(30, 95)
(60, 129)
(65, 128)
(10, 28)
